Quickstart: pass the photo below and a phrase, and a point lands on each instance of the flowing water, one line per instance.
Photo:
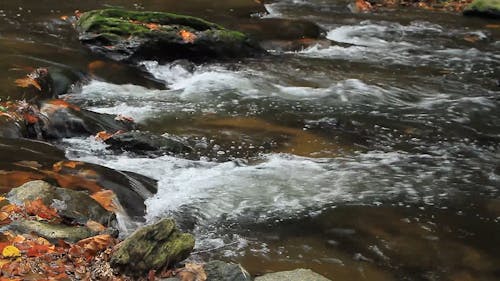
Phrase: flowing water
(375, 157)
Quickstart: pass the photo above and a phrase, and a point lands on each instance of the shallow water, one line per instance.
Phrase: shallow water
(374, 158)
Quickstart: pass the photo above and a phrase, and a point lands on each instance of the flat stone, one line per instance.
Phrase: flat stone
(293, 275)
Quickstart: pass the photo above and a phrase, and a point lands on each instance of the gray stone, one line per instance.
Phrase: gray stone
(77, 206)
(293, 275)
(152, 247)
(52, 232)
(222, 271)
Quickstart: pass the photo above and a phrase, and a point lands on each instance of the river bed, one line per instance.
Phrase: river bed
(373, 158)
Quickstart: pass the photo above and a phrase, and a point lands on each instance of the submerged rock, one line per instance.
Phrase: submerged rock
(152, 247)
(221, 271)
(76, 206)
(293, 275)
(144, 142)
(134, 36)
(484, 8)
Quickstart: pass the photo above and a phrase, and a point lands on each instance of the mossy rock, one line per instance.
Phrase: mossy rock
(484, 8)
(136, 35)
(152, 247)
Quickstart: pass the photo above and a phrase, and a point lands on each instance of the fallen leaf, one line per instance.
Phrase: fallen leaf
(492, 26)
(90, 246)
(95, 226)
(363, 6)
(187, 37)
(64, 104)
(57, 167)
(124, 118)
(152, 26)
(103, 136)
(30, 118)
(11, 252)
(39, 250)
(105, 199)
(39, 209)
(26, 82)
(64, 18)
(192, 272)
(472, 38)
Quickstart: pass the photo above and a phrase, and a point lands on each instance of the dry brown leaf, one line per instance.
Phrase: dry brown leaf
(187, 37)
(64, 104)
(105, 198)
(39, 209)
(472, 38)
(192, 272)
(363, 6)
(26, 82)
(57, 167)
(95, 226)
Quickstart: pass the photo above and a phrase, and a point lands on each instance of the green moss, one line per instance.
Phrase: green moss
(484, 5)
(123, 22)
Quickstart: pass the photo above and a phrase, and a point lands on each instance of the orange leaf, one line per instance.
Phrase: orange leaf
(363, 6)
(95, 226)
(492, 26)
(187, 37)
(30, 118)
(64, 104)
(26, 82)
(90, 246)
(38, 250)
(38, 208)
(64, 18)
(105, 199)
(103, 136)
(152, 26)
(57, 167)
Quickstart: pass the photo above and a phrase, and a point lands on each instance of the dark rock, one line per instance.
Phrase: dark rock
(76, 206)
(483, 8)
(134, 36)
(152, 247)
(64, 121)
(293, 275)
(282, 29)
(222, 271)
(142, 142)
(52, 232)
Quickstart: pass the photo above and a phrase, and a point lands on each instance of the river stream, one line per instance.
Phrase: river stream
(375, 157)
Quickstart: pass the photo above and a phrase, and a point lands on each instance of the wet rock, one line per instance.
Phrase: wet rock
(293, 275)
(143, 142)
(52, 232)
(76, 206)
(62, 120)
(134, 36)
(483, 8)
(222, 271)
(282, 29)
(152, 247)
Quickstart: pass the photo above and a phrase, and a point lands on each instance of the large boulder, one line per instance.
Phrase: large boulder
(293, 275)
(136, 35)
(152, 247)
(76, 206)
(484, 8)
